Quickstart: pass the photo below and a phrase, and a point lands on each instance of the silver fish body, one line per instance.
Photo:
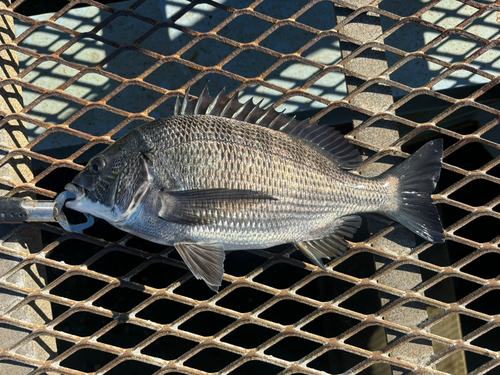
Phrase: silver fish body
(208, 183)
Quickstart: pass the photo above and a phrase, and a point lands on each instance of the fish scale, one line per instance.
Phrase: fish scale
(321, 190)
(208, 170)
(220, 175)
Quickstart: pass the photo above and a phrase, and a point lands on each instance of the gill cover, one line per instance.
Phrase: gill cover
(115, 181)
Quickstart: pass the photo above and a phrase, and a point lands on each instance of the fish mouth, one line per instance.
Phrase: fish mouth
(79, 191)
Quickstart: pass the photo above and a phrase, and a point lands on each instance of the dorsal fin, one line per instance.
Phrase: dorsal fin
(324, 137)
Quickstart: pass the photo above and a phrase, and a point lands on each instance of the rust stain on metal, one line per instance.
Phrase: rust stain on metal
(369, 117)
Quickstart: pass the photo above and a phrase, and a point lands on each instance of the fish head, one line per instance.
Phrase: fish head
(114, 181)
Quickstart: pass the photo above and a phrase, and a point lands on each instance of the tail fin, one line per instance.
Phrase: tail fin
(418, 176)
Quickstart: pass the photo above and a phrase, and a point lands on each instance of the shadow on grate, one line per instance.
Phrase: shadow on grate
(123, 305)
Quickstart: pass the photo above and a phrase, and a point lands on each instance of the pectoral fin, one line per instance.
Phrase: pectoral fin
(334, 244)
(205, 260)
(192, 207)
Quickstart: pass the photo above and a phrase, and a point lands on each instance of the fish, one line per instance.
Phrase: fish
(222, 175)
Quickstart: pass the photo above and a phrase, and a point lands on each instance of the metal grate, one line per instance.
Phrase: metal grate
(106, 302)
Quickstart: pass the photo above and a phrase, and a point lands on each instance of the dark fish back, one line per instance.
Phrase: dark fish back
(207, 152)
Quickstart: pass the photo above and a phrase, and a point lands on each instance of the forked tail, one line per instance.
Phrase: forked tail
(418, 176)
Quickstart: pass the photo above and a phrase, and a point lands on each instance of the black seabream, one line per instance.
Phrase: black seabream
(220, 175)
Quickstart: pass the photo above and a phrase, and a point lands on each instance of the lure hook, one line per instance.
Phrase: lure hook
(63, 221)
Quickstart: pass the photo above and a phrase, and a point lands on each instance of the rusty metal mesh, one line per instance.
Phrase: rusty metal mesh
(117, 280)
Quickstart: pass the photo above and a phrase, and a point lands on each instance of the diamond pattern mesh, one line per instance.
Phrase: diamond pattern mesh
(106, 302)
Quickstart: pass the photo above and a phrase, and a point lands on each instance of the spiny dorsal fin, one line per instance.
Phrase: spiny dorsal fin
(324, 137)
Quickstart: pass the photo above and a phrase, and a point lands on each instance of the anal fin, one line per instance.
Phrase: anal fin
(333, 245)
(205, 260)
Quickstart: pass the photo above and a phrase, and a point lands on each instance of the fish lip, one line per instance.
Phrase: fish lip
(79, 191)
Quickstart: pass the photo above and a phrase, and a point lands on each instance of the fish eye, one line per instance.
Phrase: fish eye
(97, 165)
